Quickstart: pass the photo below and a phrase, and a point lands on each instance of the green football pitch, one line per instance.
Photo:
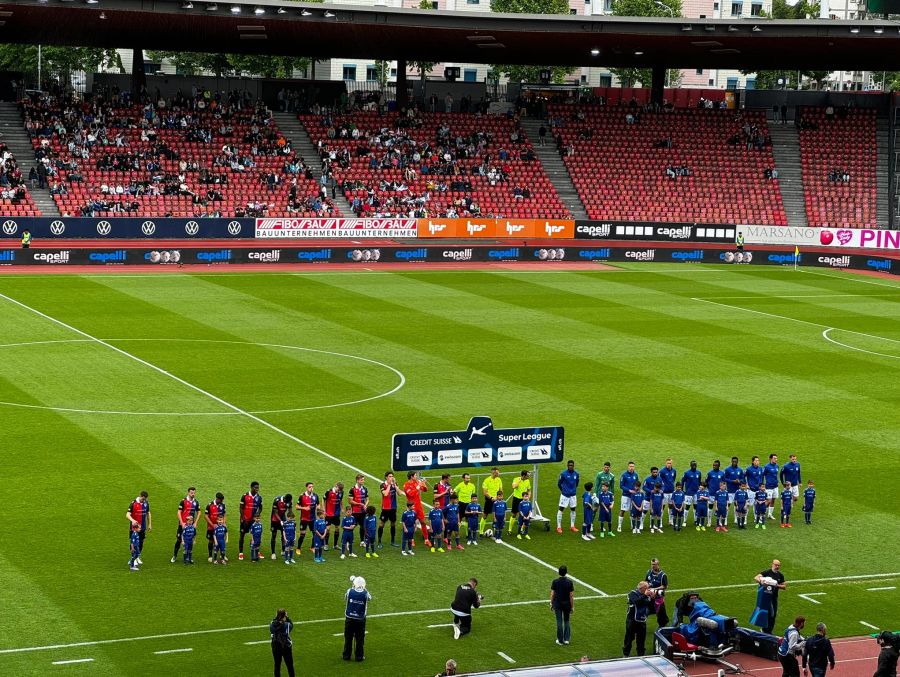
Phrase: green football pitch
(113, 384)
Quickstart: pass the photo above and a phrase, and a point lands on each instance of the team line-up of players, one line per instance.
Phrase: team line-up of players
(757, 486)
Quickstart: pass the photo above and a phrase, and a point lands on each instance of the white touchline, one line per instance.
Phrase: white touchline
(441, 625)
(74, 660)
(825, 335)
(418, 612)
(341, 634)
(160, 653)
(259, 641)
(887, 587)
(553, 568)
(869, 625)
(504, 656)
(850, 279)
(809, 596)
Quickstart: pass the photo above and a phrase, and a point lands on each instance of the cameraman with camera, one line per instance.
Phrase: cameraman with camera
(791, 646)
(466, 599)
(887, 659)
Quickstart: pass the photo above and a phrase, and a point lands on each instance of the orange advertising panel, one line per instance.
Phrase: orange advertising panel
(496, 228)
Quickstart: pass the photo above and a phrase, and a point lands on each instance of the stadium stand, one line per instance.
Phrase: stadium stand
(434, 164)
(678, 165)
(839, 159)
(187, 157)
(15, 200)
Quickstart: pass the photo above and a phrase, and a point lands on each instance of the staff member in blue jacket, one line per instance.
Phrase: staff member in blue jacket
(640, 606)
(282, 645)
(357, 598)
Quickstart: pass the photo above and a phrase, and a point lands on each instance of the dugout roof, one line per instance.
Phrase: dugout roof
(323, 31)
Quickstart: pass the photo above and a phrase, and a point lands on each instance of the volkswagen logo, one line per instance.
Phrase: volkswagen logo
(148, 227)
(234, 228)
(57, 227)
(10, 227)
(192, 228)
(104, 228)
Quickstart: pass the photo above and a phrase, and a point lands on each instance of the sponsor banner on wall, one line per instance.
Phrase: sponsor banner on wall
(850, 238)
(148, 228)
(662, 232)
(288, 229)
(496, 228)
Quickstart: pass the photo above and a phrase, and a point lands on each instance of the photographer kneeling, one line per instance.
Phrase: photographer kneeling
(466, 599)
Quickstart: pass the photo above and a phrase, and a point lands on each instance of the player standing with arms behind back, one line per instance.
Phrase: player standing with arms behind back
(388, 508)
(251, 506)
(568, 496)
(413, 490)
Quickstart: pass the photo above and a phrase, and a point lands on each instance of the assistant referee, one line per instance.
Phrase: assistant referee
(492, 484)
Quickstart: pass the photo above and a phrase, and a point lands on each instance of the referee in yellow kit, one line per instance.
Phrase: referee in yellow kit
(491, 485)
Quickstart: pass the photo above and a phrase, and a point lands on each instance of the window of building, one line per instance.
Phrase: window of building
(715, 6)
(584, 79)
(393, 72)
(712, 82)
(434, 5)
(750, 84)
(606, 80)
(470, 75)
(731, 83)
(607, 5)
(756, 9)
(702, 16)
(350, 72)
(371, 74)
(737, 8)
(699, 71)
(472, 2)
(572, 10)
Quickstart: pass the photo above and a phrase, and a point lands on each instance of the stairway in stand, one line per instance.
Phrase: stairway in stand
(12, 129)
(290, 127)
(786, 150)
(555, 168)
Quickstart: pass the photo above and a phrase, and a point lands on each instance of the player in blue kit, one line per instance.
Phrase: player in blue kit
(408, 522)
(734, 475)
(524, 516)
(754, 475)
(770, 482)
(701, 509)
(713, 478)
(473, 510)
(436, 519)
(320, 535)
(348, 525)
(606, 498)
(787, 502)
(677, 507)
(370, 529)
(721, 499)
(500, 516)
(668, 475)
(790, 472)
(220, 535)
(650, 481)
(451, 523)
(809, 499)
(188, 534)
(657, 499)
(741, 498)
(134, 541)
(587, 505)
(627, 484)
(637, 508)
(255, 538)
(690, 483)
(290, 538)
(760, 506)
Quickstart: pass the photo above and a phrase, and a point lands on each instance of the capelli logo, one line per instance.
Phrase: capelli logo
(458, 254)
(643, 255)
(7, 256)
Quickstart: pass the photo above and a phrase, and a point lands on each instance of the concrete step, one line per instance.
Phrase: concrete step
(556, 171)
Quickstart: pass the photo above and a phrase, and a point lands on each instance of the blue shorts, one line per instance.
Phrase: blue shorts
(452, 527)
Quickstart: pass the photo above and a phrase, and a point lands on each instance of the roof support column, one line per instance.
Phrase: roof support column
(658, 85)
(138, 76)
(402, 99)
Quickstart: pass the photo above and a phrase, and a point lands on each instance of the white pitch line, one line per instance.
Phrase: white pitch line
(810, 595)
(505, 657)
(859, 350)
(244, 412)
(341, 634)
(259, 641)
(850, 279)
(160, 653)
(74, 660)
(888, 587)
(419, 612)
(553, 568)
(800, 296)
(869, 625)
(441, 625)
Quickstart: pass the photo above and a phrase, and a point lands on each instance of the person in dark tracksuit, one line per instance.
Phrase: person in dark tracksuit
(282, 645)
(640, 605)
(355, 618)
(465, 600)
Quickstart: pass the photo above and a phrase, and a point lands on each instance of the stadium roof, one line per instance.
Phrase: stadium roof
(324, 31)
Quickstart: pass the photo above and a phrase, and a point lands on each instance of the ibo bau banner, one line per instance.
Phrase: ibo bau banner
(480, 444)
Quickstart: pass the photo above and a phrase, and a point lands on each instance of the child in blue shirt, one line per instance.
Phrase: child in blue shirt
(320, 535)
(760, 504)
(408, 520)
(472, 512)
(188, 534)
(677, 506)
(255, 538)
(809, 499)
(587, 501)
(741, 498)
(348, 526)
(220, 534)
(787, 502)
(656, 507)
(134, 539)
(451, 522)
(721, 500)
(701, 509)
(524, 516)
(436, 519)
(290, 538)
(370, 525)
(606, 509)
(637, 508)
(499, 516)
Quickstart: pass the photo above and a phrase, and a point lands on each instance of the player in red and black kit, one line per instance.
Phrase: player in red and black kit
(359, 501)
(413, 490)
(388, 508)
(214, 511)
(187, 507)
(442, 491)
(251, 506)
(280, 508)
(138, 515)
(334, 500)
(306, 505)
